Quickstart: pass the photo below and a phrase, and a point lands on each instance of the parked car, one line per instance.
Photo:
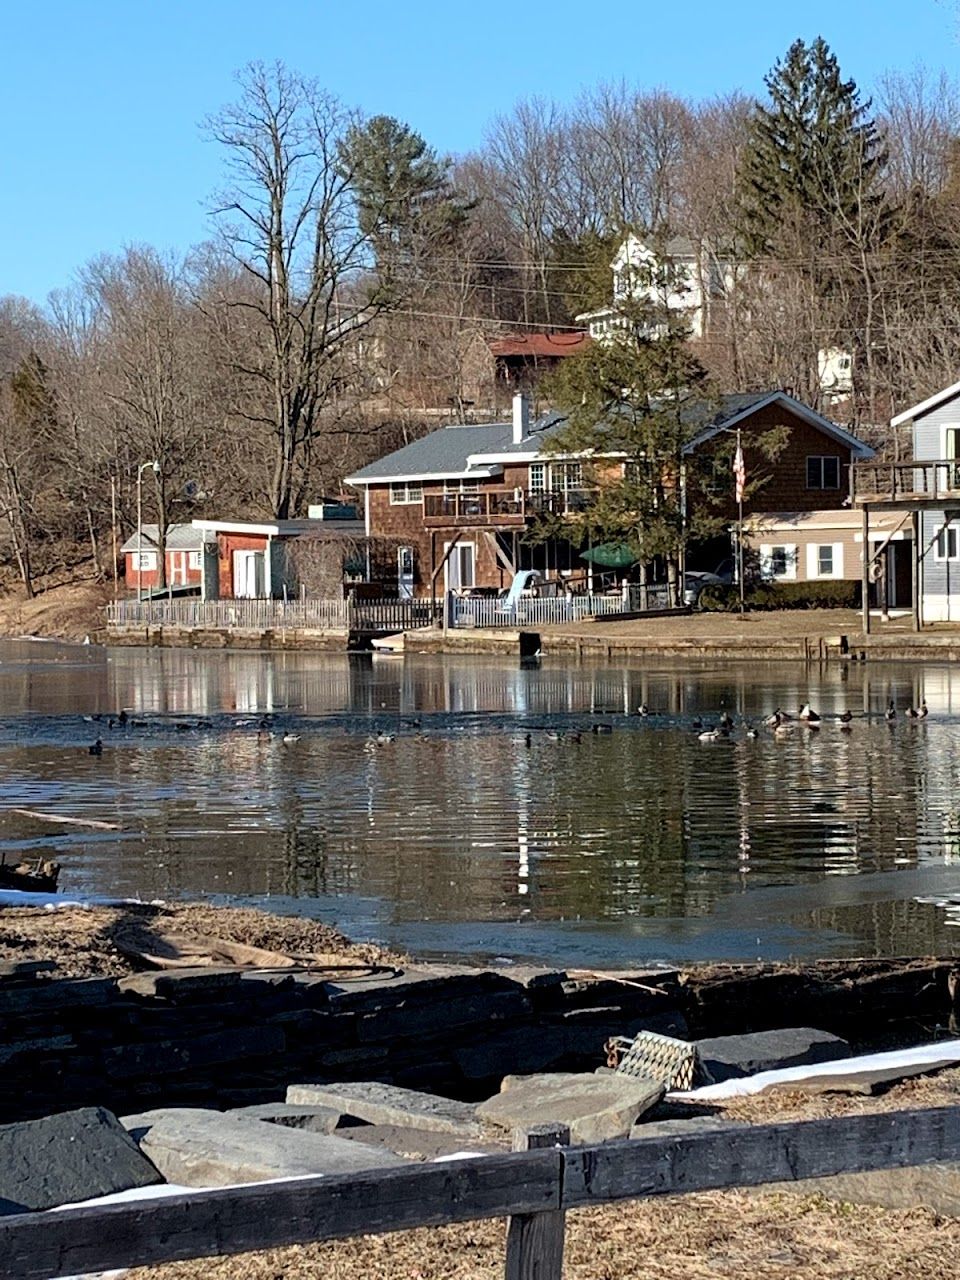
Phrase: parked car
(695, 580)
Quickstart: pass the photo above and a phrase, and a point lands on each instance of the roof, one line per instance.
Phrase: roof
(925, 405)
(735, 408)
(478, 452)
(556, 345)
(843, 518)
(180, 537)
(277, 528)
(443, 454)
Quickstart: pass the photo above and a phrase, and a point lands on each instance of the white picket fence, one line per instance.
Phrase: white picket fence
(544, 611)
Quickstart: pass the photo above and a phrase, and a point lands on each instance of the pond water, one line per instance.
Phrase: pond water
(411, 809)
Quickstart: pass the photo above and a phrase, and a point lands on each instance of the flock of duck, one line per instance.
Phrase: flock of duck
(779, 722)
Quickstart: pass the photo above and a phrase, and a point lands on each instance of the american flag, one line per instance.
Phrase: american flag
(739, 472)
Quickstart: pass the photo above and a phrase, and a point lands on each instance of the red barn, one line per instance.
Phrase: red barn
(183, 552)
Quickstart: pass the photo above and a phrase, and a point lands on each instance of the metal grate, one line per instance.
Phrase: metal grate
(672, 1063)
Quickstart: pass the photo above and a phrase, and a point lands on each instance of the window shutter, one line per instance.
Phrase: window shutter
(791, 550)
(838, 559)
(813, 560)
(766, 560)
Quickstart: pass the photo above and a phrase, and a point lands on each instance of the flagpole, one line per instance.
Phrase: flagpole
(740, 525)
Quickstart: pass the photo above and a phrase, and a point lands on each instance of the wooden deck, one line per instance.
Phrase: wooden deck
(906, 486)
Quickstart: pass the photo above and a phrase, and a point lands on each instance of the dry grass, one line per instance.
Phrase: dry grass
(67, 612)
(80, 940)
(723, 1235)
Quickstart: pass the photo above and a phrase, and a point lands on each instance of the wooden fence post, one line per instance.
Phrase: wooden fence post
(535, 1240)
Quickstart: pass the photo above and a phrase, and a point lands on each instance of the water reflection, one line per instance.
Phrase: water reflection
(412, 810)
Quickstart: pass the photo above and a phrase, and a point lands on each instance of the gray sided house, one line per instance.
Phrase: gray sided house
(933, 478)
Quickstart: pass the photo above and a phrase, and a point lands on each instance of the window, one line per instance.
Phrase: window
(402, 492)
(823, 473)
(566, 475)
(144, 561)
(951, 450)
(947, 543)
(538, 477)
(194, 559)
(825, 560)
(464, 556)
(778, 560)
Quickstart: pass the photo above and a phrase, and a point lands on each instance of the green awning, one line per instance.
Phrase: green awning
(611, 555)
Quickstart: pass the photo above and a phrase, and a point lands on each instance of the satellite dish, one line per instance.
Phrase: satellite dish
(192, 492)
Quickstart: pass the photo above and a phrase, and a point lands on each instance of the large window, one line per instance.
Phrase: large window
(947, 543)
(566, 475)
(538, 477)
(402, 492)
(823, 473)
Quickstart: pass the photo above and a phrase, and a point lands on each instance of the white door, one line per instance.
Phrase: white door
(460, 569)
(247, 575)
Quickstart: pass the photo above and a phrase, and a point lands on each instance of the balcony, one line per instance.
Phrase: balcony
(905, 485)
(499, 508)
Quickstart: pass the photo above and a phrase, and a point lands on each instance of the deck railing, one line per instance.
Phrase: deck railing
(501, 506)
(534, 1187)
(270, 615)
(921, 480)
(543, 611)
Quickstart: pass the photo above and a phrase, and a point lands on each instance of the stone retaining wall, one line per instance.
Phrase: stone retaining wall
(226, 1038)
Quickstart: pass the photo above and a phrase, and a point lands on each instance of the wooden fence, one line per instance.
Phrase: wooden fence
(534, 1188)
(270, 615)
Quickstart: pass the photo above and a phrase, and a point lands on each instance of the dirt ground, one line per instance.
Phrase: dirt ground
(81, 940)
(67, 612)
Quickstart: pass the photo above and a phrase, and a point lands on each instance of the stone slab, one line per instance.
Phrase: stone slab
(138, 1124)
(728, 1057)
(216, 1150)
(857, 1082)
(387, 1104)
(312, 1119)
(66, 1158)
(935, 1186)
(421, 1144)
(681, 1128)
(596, 1108)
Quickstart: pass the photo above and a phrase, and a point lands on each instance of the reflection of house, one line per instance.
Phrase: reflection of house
(462, 501)
(823, 546)
(248, 559)
(141, 561)
(521, 358)
(927, 490)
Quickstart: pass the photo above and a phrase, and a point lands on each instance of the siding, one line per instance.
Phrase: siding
(940, 578)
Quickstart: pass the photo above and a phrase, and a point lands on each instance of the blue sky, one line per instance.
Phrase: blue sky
(100, 100)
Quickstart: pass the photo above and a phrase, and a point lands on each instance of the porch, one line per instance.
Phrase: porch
(500, 508)
(905, 485)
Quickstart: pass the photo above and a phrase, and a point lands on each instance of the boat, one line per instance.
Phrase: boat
(388, 646)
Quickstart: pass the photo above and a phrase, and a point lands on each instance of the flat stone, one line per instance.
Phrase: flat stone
(139, 1124)
(681, 1128)
(313, 1119)
(66, 1158)
(728, 1057)
(857, 1082)
(215, 1150)
(594, 1107)
(387, 1104)
(420, 1144)
(936, 1186)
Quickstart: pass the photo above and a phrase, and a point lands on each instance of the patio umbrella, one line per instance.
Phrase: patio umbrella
(610, 555)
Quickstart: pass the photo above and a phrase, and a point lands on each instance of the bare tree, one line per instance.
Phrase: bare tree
(289, 222)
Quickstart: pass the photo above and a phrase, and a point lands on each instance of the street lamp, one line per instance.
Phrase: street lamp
(155, 468)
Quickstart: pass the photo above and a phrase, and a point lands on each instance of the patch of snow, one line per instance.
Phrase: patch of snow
(945, 1051)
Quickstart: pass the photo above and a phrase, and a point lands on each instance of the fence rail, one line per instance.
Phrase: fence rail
(533, 1187)
(920, 480)
(271, 615)
(541, 611)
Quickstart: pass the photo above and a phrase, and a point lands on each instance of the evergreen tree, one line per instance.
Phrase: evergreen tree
(401, 187)
(813, 154)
